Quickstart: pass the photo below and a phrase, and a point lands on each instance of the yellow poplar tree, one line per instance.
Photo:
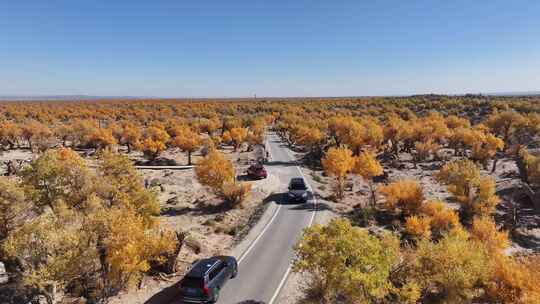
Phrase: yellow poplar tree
(154, 142)
(442, 218)
(12, 205)
(504, 124)
(515, 280)
(338, 162)
(404, 194)
(367, 166)
(485, 232)
(9, 134)
(485, 148)
(475, 193)
(346, 261)
(214, 170)
(188, 141)
(59, 175)
(453, 265)
(238, 136)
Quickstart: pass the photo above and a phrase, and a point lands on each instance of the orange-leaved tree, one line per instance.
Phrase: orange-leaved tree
(13, 206)
(434, 220)
(485, 148)
(476, 193)
(187, 140)
(100, 138)
(406, 195)
(36, 132)
(338, 162)
(238, 136)
(214, 170)
(515, 280)
(485, 231)
(217, 172)
(10, 134)
(131, 135)
(367, 166)
(154, 142)
(58, 176)
(504, 124)
(443, 219)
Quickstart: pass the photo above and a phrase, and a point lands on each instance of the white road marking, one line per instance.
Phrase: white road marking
(288, 271)
(280, 286)
(286, 275)
(259, 236)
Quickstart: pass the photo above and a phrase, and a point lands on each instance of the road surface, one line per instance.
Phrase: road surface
(265, 263)
(263, 267)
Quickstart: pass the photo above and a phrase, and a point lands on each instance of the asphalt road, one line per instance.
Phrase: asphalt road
(263, 267)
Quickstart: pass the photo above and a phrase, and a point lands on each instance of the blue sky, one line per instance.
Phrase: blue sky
(269, 48)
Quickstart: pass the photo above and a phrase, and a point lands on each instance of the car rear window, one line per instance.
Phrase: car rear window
(192, 282)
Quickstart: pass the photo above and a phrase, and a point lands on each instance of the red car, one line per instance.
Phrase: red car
(257, 171)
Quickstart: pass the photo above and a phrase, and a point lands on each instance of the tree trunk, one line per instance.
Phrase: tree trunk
(189, 158)
(373, 200)
(341, 188)
(522, 168)
(395, 149)
(49, 293)
(170, 265)
(494, 164)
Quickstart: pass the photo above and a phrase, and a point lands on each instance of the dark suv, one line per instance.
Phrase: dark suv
(298, 190)
(206, 278)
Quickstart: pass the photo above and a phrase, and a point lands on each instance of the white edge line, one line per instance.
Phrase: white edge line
(259, 236)
(280, 286)
(286, 275)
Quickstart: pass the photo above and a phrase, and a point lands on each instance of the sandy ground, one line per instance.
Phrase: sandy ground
(16, 156)
(188, 206)
(506, 178)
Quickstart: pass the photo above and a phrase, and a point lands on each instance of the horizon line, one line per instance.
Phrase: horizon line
(89, 96)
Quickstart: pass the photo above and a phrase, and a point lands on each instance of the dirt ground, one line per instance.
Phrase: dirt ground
(186, 205)
(527, 238)
(213, 229)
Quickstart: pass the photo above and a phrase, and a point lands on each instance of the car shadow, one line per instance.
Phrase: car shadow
(245, 178)
(279, 198)
(200, 208)
(165, 296)
(311, 206)
(160, 161)
(280, 163)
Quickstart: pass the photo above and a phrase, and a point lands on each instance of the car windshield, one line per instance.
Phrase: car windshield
(298, 186)
(192, 282)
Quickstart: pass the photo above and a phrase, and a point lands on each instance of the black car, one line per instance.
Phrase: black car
(206, 278)
(298, 190)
